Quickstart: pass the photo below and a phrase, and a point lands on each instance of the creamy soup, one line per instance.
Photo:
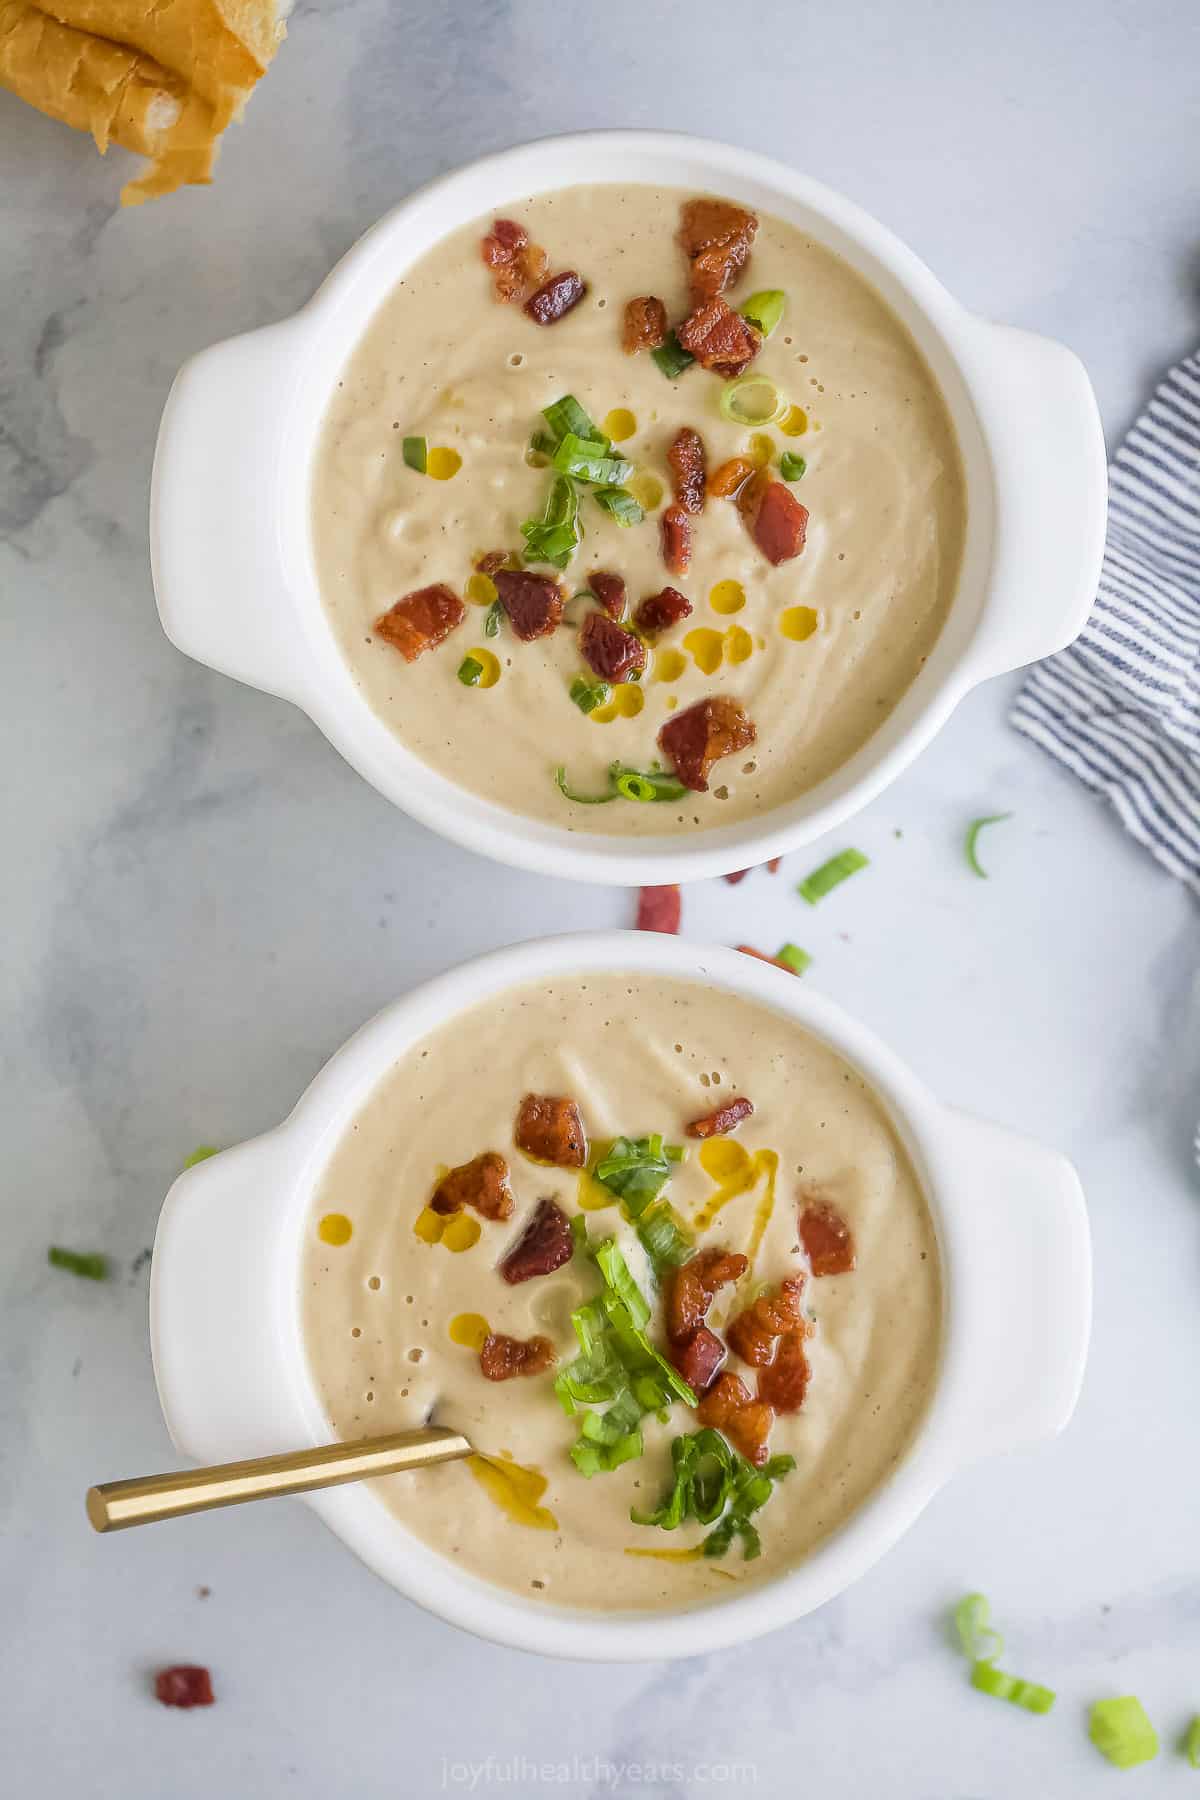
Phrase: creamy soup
(816, 650)
(404, 1306)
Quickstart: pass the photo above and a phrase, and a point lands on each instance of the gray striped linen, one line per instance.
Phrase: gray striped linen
(1121, 706)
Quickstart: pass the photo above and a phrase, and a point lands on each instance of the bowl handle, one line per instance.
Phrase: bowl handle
(216, 503)
(1039, 414)
(1020, 1282)
(221, 1304)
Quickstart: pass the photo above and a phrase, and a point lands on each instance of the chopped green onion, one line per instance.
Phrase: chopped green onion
(1191, 1743)
(712, 1484)
(671, 357)
(635, 784)
(201, 1155)
(1121, 1731)
(415, 454)
(560, 779)
(554, 537)
(615, 1272)
(791, 466)
(972, 1621)
(469, 671)
(89, 1263)
(587, 459)
(542, 444)
(566, 418)
(635, 1170)
(831, 874)
(663, 1237)
(1029, 1694)
(793, 958)
(491, 623)
(619, 504)
(973, 831)
(752, 400)
(764, 309)
(588, 695)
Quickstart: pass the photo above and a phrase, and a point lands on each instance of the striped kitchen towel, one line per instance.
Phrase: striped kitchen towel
(1121, 705)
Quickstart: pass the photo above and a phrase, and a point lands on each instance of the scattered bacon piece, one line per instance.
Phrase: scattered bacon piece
(555, 297)
(701, 734)
(728, 1407)
(716, 237)
(729, 476)
(493, 560)
(481, 1183)
(659, 909)
(761, 956)
(774, 518)
(784, 1383)
(754, 1332)
(733, 877)
(722, 1120)
(534, 603)
(550, 1129)
(699, 1358)
(501, 1357)
(827, 1238)
(676, 529)
(736, 875)
(609, 649)
(658, 612)
(773, 863)
(686, 460)
(186, 1684)
(645, 325)
(503, 242)
(719, 338)
(544, 1245)
(609, 591)
(420, 621)
(694, 1285)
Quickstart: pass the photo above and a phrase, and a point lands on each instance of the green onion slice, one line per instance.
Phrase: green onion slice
(1191, 1743)
(972, 1621)
(764, 309)
(556, 536)
(469, 671)
(638, 784)
(752, 400)
(1121, 1731)
(664, 1237)
(201, 1155)
(615, 1272)
(671, 357)
(973, 831)
(566, 418)
(560, 780)
(491, 622)
(588, 459)
(1028, 1694)
(791, 466)
(636, 1170)
(88, 1263)
(415, 453)
(619, 503)
(793, 957)
(831, 874)
(588, 695)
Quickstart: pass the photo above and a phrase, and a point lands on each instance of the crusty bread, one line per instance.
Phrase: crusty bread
(161, 77)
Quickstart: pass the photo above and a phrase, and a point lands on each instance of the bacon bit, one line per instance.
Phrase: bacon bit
(186, 1684)
(728, 1407)
(481, 1183)
(693, 1288)
(555, 298)
(420, 621)
(676, 529)
(702, 734)
(754, 1332)
(493, 560)
(686, 460)
(609, 591)
(722, 1120)
(737, 875)
(645, 326)
(544, 1245)
(774, 518)
(517, 265)
(827, 1238)
(699, 1359)
(609, 649)
(773, 865)
(784, 1383)
(501, 1357)
(761, 956)
(716, 237)
(659, 909)
(534, 603)
(503, 242)
(719, 338)
(730, 476)
(658, 612)
(550, 1129)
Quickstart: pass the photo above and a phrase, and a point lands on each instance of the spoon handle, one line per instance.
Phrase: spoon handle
(113, 1505)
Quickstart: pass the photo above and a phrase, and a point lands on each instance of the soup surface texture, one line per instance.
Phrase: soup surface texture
(816, 650)
(403, 1306)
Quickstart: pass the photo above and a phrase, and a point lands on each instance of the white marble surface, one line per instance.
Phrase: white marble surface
(200, 901)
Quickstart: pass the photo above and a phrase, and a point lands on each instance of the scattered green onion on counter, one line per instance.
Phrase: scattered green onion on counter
(972, 838)
(1121, 1731)
(588, 695)
(200, 1155)
(794, 958)
(765, 309)
(831, 874)
(416, 455)
(791, 466)
(671, 358)
(752, 399)
(1191, 1743)
(972, 1621)
(1027, 1694)
(469, 671)
(91, 1264)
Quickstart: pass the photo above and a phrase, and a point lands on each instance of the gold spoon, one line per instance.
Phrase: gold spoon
(144, 1498)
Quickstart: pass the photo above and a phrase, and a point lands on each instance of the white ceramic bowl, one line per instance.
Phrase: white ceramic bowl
(234, 1381)
(230, 531)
